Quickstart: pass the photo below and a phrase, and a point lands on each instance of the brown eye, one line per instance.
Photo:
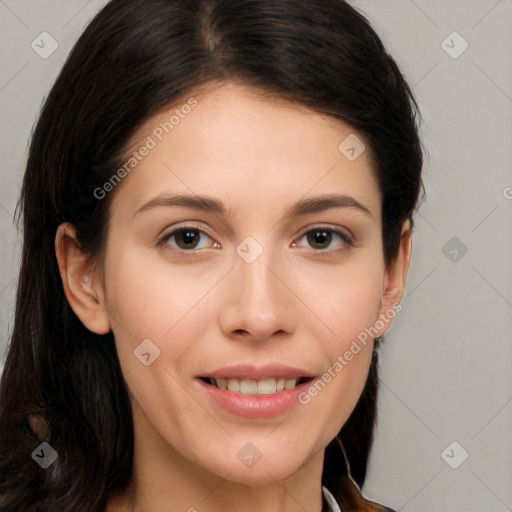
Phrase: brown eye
(187, 238)
(324, 238)
(319, 238)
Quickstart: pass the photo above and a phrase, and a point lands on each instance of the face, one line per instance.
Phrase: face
(245, 248)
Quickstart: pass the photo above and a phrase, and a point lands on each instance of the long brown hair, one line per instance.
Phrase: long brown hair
(63, 383)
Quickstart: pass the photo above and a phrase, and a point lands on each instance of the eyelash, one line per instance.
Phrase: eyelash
(346, 240)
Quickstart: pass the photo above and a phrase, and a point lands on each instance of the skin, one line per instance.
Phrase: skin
(295, 304)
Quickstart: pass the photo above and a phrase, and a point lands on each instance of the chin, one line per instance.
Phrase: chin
(247, 469)
(265, 474)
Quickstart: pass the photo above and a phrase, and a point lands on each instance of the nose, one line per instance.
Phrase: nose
(257, 301)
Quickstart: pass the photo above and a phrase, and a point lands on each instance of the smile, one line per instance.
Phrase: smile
(267, 386)
(254, 391)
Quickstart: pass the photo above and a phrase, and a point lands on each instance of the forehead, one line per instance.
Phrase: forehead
(236, 143)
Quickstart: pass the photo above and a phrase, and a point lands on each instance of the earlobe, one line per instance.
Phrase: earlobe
(81, 288)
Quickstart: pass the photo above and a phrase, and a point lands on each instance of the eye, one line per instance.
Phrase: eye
(324, 238)
(186, 238)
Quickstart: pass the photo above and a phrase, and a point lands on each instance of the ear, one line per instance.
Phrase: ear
(395, 278)
(81, 286)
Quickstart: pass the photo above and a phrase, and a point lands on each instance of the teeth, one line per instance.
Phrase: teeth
(255, 387)
(249, 387)
(221, 383)
(290, 384)
(267, 386)
(234, 385)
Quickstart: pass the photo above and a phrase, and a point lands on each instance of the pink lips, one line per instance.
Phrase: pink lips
(255, 406)
(249, 371)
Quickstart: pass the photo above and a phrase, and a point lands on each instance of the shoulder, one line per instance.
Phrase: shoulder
(349, 498)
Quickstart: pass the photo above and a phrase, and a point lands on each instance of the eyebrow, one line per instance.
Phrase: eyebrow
(304, 206)
(324, 202)
(204, 203)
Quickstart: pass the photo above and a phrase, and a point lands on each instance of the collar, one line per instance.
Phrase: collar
(331, 501)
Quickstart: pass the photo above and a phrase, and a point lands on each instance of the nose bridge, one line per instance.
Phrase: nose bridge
(258, 302)
(258, 284)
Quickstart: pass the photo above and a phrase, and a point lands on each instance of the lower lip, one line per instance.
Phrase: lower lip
(255, 406)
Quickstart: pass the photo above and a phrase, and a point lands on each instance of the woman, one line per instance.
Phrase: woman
(217, 210)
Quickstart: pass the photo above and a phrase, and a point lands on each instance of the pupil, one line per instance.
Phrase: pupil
(187, 239)
(320, 238)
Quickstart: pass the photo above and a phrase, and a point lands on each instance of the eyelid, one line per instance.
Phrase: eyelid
(163, 239)
(346, 235)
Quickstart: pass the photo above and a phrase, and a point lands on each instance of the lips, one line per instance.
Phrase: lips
(258, 372)
(255, 391)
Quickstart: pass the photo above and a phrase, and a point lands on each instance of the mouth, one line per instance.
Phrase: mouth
(256, 392)
(266, 386)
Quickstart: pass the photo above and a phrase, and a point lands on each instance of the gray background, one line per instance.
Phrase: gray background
(446, 361)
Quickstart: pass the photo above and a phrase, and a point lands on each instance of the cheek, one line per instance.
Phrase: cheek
(152, 299)
(345, 300)
(345, 297)
(163, 311)
(171, 307)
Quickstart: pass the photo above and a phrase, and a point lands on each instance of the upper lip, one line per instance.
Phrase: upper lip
(257, 372)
